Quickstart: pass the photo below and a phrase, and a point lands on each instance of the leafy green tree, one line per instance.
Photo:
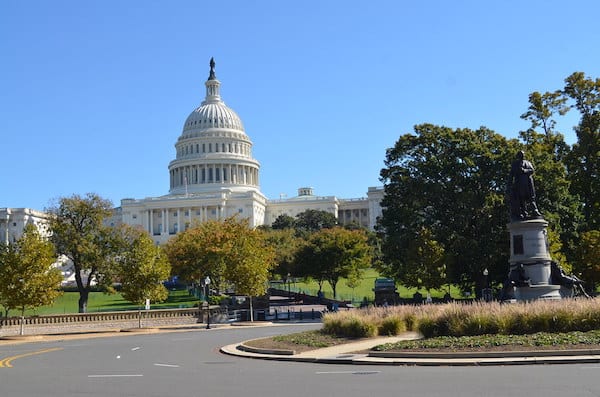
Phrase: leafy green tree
(584, 159)
(331, 254)
(78, 232)
(541, 111)
(313, 220)
(27, 278)
(451, 182)
(143, 268)
(424, 265)
(202, 250)
(587, 258)
(283, 221)
(249, 263)
(285, 244)
(228, 251)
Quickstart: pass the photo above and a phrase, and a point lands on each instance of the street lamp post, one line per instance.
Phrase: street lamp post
(486, 291)
(288, 283)
(207, 296)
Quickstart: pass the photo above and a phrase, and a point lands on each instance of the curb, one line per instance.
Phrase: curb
(250, 323)
(143, 330)
(258, 350)
(580, 356)
(490, 354)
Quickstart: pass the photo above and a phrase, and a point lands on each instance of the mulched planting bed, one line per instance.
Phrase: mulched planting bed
(538, 341)
(300, 342)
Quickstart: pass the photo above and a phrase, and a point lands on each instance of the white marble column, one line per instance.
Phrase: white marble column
(165, 216)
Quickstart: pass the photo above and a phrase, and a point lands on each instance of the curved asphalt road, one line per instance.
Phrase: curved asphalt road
(189, 364)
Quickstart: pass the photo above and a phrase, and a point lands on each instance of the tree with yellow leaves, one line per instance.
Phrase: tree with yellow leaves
(27, 278)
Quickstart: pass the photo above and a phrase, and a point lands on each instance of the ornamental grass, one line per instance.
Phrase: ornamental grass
(461, 319)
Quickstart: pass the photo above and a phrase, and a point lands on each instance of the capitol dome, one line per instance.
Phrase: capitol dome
(212, 112)
(213, 151)
(212, 115)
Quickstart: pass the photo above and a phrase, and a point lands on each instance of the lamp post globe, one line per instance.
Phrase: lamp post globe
(207, 295)
(486, 291)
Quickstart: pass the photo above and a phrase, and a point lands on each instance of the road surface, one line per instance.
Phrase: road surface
(189, 364)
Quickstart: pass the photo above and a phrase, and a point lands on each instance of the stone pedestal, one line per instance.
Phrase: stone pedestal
(530, 259)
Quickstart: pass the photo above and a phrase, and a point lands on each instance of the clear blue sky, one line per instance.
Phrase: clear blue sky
(94, 94)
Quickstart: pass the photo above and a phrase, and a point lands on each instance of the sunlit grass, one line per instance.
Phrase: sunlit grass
(364, 289)
(99, 302)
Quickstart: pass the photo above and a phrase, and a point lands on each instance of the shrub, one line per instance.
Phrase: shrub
(332, 325)
(392, 325)
(480, 324)
(358, 328)
(479, 318)
(410, 322)
(428, 327)
(562, 321)
(350, 326)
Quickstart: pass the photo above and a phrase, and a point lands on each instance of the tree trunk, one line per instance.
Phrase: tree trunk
(83, 300)
(83, 289)
(333, 284)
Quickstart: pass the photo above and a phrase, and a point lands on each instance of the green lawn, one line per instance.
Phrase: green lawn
(99, 302)
(365, 289)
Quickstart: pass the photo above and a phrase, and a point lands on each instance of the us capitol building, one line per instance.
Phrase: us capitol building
(215, 176)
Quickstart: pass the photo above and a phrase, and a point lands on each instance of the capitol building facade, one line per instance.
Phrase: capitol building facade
(214, 176)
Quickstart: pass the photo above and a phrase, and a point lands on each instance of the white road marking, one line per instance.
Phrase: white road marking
(166, 365)
(115, 376)
(135, 348)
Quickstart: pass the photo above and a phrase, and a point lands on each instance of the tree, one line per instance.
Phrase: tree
(79, 233)
(283, 221)
(587, 258)
(423, 266)
(285, 244)
(27, 278)
(452, 183)
(229, 251)
(331, 254)
(143, 268)
(202, 250)
(542, 108)
(313, 220)
(249, 263)
(584, 159)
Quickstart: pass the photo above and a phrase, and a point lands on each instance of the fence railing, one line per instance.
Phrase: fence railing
(104, 316)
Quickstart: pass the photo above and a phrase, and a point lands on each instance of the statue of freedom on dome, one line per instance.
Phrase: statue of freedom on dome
(521, 190)
(212, 69)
